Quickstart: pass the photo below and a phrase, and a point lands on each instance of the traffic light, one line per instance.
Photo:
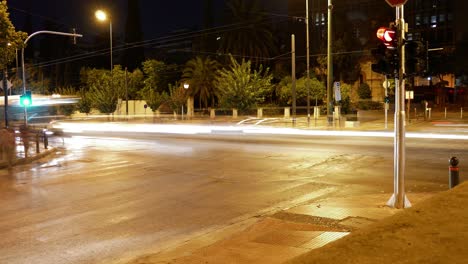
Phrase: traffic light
(386, 53)
(382, 63)
(26, 99)
(389, 37)
(416, 57)
(387, 99)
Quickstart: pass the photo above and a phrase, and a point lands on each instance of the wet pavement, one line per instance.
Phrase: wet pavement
(106, 200)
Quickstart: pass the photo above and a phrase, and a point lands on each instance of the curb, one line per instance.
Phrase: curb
(22, 161)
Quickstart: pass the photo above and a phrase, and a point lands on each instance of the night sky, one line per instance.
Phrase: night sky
(158, 17)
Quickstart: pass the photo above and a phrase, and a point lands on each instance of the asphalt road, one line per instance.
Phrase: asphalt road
(105, 200)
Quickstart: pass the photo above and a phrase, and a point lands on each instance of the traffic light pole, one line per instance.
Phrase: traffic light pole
(399, 199)
(22, 58)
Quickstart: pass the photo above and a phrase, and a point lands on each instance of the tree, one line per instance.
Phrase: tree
(135, 83)
(154, 99)
(85, 102)
(10, 40)
(200, 73)
(102, 96)
(252, 38)
(158, 75)
(346, 65)
(177, 97)
(241, 87)
(364, 91)
(317, 90)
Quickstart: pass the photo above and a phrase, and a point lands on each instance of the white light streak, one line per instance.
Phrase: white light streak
(82, 127)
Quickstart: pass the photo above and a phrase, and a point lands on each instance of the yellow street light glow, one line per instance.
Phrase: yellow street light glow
(101, 15)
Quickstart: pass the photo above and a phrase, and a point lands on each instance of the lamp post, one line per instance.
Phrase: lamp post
(102, 16)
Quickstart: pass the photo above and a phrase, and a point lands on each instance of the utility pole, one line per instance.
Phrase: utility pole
(329, 66)
(308, 62)
(293, 76)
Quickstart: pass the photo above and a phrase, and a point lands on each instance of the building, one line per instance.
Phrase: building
(439, 22)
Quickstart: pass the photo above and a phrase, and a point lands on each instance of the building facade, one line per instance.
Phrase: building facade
(440, 23)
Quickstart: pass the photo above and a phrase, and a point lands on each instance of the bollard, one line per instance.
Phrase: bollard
(454, 176)
(46, 140)
(37, 143)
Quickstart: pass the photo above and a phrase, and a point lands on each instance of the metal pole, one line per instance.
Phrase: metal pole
(293, 76)
(22, 59)
(386, 104)
(308, 62)
(398, 199)
(111, 59)
(329, 66)
(5, 92)
(126, 93)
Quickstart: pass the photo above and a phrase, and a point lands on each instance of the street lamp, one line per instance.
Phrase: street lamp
(102, 16)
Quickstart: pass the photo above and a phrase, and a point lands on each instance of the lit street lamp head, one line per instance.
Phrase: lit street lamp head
(186, 85)
(101, 15)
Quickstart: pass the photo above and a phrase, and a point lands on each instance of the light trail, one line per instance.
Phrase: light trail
(81, 127)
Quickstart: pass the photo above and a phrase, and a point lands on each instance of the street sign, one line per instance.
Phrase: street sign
(409, 95)
(395, 3)
(9, 85)
(386, 84)
(337, 90)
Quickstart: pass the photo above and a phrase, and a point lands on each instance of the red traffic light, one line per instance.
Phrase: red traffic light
(387, 36)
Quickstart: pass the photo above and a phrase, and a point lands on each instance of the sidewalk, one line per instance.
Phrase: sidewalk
(33, 153)
(434, 230)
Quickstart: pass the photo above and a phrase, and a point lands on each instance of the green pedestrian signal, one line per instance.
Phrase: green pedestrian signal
(26, 99)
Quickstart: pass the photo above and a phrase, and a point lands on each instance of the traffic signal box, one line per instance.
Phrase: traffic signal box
(416, 57)
(386, 53)
(387, 59)
(26, 99)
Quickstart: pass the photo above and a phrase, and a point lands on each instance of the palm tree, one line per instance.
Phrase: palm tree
(200, 73)
(252, 38)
